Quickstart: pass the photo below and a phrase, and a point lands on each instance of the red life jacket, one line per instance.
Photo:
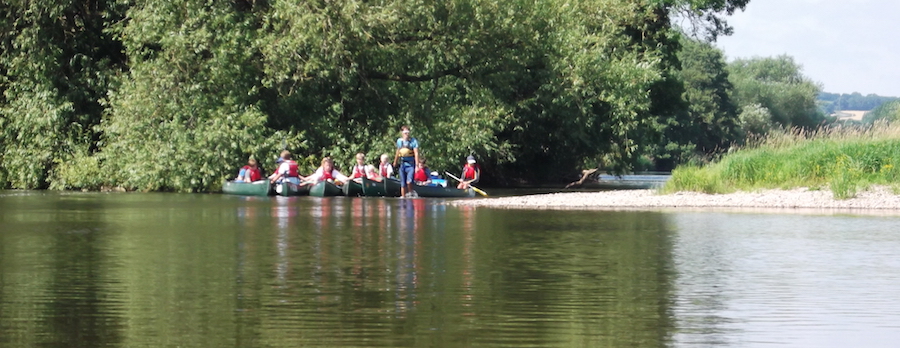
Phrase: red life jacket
(421, 174)
(358, 171)
(293, 172)
(469, 172)
(255, 173)
(327, 175)
(383, 168)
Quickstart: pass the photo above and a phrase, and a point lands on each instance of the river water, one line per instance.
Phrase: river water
(198, 270)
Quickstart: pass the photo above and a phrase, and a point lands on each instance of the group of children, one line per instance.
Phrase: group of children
(412, 169)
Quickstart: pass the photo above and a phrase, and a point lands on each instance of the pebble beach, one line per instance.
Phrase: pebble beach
(875, 200)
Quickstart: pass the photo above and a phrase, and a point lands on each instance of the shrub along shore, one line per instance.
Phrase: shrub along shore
(844, 160)
(834, 168)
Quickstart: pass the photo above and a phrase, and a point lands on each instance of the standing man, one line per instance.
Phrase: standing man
(408, 155)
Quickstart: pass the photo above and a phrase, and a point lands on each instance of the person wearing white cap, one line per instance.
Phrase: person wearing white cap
(471, 173)
(408, 155)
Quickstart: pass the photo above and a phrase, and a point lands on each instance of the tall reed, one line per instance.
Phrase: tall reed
(843, 159)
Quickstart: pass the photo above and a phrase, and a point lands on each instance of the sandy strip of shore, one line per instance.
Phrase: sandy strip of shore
(875, 200)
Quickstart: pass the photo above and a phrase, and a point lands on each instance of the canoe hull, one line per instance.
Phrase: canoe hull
(353, 189)
(288, 189)
(442, 192)
(392, 187)
(325, 189)
(373, 188)
(258, 188)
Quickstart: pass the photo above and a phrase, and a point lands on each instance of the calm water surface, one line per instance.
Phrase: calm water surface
(167, 270)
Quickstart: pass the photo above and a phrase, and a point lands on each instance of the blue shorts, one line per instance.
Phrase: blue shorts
(406, 173)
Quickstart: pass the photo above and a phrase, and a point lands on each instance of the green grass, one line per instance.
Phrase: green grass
(843, 160)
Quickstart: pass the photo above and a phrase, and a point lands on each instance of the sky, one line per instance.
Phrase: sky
(845, 45)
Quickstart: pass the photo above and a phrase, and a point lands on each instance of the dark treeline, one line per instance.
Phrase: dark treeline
(831, 102)
(176, 94)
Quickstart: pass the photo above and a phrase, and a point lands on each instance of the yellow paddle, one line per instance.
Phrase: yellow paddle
(470, 185)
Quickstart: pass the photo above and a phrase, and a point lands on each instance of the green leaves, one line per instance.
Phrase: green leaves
(778, 85)
(175, 95)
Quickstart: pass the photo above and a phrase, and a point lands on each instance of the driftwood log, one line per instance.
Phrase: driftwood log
(588, 175)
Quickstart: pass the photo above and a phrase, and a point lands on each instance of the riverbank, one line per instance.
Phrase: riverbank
(877, 199)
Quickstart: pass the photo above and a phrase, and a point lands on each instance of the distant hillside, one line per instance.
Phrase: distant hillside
(830, 103)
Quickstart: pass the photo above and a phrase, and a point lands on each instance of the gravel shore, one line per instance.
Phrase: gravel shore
(876, 200)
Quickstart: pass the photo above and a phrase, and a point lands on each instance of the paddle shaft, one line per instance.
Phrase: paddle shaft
(470, 185)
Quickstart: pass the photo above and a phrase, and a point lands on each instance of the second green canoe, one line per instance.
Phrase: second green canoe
(353, 189)
(325, 189)
(291, 189)
(258, 188)
(373, 188)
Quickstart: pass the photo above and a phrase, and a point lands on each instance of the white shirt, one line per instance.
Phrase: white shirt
(317, 176)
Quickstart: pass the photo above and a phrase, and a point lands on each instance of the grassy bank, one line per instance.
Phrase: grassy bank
(843, 160)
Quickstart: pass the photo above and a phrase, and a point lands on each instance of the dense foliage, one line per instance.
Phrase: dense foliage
(706, 121)
(831, 102)
(777, 85)
(175, 95)
(889, 112)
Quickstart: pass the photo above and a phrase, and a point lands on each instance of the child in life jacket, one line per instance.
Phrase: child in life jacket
(471, 173)
(361, 169)
(385, 168)
(326, 172)
(421, 176)
(287, 170)
(425, 177)
(249, 173)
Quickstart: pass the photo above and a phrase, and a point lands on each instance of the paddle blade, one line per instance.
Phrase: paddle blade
(479, 191)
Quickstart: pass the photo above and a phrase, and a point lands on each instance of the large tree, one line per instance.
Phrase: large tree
(705, 121)
(57, 63)
(778, 85)
(173, 95)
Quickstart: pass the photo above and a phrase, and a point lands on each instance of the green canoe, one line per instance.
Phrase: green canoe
(353, 189)
(325, 189)
(291, 189)
(392, 186)
(440, 191)
(373, 188)
(256, 188)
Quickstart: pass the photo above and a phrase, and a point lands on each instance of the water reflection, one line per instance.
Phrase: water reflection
(787, 280)
(212, 271)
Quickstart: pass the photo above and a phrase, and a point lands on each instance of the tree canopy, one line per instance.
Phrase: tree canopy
(176, 94)
(778, 85)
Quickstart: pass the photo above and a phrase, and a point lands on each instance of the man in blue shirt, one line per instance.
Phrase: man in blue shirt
(408, 155)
